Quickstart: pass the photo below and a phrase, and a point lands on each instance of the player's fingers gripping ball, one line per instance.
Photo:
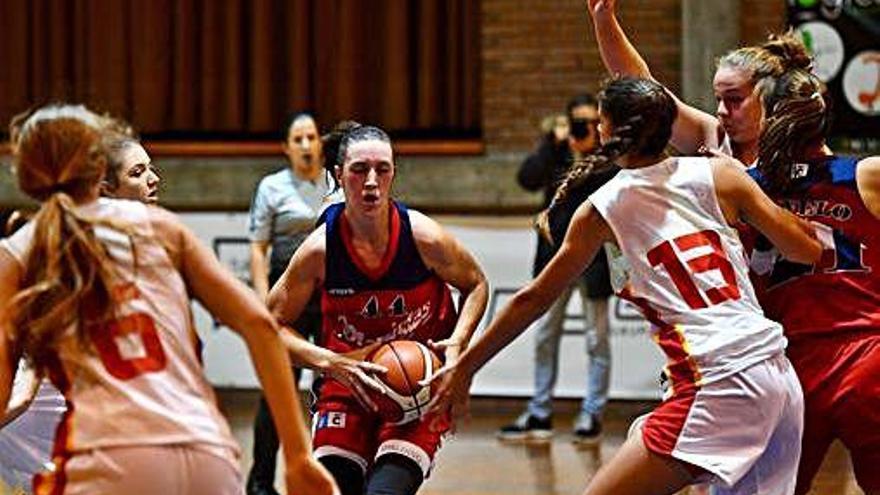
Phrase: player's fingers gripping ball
(408, 363)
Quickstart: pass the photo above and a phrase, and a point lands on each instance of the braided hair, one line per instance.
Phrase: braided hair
(641, 113)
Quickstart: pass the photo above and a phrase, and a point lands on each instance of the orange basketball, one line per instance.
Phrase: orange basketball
(408, 362)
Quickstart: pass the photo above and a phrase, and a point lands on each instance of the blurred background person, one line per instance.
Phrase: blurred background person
(284, 210)
(567, 139)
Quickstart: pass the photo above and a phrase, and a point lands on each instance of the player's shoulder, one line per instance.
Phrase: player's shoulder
(425, 230)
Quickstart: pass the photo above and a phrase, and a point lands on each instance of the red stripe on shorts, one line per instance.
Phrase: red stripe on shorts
(664, 425)
(54, 483)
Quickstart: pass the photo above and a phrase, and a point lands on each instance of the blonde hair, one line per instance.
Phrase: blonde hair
(68, 276)
(779, 54)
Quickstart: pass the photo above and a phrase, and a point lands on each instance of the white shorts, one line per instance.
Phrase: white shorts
(183, 469)
(744, 430)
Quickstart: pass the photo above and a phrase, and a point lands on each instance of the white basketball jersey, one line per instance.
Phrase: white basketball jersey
(143, 382)
(686, 269)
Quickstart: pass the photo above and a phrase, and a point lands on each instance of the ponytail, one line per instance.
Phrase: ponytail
(795, 122)
(68, 275)
(67, 267)
(598, 161)
(331, 144)
(641, 113)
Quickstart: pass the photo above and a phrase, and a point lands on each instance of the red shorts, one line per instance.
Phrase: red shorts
(344, 428)
(840, 375)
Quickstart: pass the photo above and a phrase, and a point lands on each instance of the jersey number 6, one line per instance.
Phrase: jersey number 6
(129, 346)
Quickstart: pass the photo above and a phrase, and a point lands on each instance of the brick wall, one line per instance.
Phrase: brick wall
(538, 53)
(758, 18)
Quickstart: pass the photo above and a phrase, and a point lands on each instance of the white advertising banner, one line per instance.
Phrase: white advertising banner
(504, 247)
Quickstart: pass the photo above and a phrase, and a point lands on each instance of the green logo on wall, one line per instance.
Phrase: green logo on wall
(807, 3)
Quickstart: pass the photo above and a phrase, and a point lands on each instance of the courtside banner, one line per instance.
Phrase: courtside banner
(843, 36)
(504, 248)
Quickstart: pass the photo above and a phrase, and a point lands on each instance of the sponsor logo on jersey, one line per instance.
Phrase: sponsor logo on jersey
(341, 292)
(331, 419)
(821, 208)
(400, 329)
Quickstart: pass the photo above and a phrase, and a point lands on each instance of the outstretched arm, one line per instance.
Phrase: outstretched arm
(239, 308)
(693, 128)
(740, 197)
(587, 232)
(584, 238)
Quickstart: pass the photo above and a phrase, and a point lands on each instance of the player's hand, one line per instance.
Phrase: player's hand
(453, 391)
(351, 370)
(706, 151)
(599, 8)
(306, 476)
(450, 348)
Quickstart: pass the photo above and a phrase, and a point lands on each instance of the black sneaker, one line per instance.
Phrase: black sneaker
(587, 430)
(527, 428)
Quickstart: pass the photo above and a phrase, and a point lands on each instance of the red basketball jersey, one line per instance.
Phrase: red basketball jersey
(402, 299)
(842, 291)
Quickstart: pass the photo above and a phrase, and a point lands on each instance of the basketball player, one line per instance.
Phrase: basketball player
(130, 172)
(33, 414)
(830, 310)
(382, 271)
(736, 127)
(747, 87)
(95, 293)
(734, 415)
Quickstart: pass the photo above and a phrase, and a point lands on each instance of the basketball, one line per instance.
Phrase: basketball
(408, 362)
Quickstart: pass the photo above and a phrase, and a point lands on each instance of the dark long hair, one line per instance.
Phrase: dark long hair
(332, 142)
(641, 113)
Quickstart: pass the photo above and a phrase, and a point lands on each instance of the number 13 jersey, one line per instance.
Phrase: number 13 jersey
(687, 270)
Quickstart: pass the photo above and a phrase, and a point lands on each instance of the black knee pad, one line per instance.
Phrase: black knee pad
(394, 474)
(347, 473)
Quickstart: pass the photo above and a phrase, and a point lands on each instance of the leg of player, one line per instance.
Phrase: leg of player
(262, 475)
(638, 471)
(348, 474)
(394, 474)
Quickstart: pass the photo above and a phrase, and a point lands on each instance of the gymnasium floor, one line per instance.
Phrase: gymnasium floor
(475, 463)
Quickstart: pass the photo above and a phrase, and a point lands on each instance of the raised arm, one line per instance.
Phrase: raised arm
(693, 128)
(457, 267)
(741, 198)
(239, 308)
